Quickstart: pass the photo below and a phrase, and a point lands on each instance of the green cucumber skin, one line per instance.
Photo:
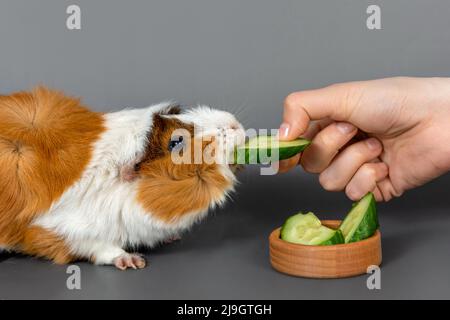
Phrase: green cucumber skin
(338, 238)
(263, 155)
(369, 223)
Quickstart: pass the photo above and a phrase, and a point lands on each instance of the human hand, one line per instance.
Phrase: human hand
(406, 123)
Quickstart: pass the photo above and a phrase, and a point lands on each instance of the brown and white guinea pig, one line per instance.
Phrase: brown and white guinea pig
(77, 184)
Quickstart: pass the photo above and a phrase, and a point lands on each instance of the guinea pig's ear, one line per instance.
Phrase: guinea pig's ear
(130, 171)
(171, 109)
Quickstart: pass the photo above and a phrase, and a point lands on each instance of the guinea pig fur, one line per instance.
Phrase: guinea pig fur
(78, 184)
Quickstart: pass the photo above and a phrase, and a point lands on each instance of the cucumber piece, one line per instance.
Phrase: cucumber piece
(308, 230)
(362, 220)
(264, 149)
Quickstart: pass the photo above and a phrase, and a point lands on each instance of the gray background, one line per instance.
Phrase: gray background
(246, 55)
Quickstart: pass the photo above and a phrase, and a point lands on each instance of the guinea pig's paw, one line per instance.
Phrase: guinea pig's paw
(129, 260)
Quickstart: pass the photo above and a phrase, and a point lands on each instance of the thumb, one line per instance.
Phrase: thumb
(302, 107)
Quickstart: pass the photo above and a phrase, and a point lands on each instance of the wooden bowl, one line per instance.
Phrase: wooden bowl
(336, 261)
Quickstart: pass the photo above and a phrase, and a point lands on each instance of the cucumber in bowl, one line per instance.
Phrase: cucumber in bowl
(263, 149)
(359, 224)
(362, 220)
(307, 229)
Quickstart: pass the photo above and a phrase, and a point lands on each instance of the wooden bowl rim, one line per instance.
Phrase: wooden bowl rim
(275, 238)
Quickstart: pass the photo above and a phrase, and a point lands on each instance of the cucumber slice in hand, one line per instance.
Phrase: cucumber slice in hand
(362, 220)
(308, 230)
(264, 149)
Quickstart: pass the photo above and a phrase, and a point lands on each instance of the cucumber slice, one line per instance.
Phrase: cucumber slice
(362, 220)
(308, 230)
(264, 149)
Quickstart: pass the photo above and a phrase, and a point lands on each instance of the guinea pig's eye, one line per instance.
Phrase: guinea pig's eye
(175, 142)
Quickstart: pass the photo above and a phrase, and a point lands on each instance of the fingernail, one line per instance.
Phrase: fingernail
(283, 132)
(373, 143)
(345, 127)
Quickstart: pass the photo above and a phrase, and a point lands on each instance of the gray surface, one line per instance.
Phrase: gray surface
(234, 54)
(227, 256)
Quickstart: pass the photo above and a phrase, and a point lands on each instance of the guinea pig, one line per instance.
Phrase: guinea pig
(82, 185)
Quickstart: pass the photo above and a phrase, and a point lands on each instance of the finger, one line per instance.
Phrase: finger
(302, 107)
(377, 194)
(344, 166)
(326, 145)
(365, 179)
(315, 127)
(288, 164)
(387, 189)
